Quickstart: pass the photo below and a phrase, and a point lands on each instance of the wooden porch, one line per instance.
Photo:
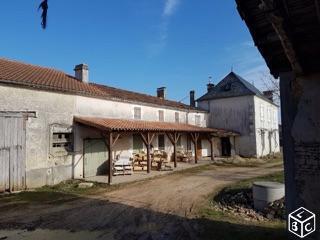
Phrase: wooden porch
(113, 129)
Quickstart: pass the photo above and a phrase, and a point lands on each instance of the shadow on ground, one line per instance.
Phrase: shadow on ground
(69, 217)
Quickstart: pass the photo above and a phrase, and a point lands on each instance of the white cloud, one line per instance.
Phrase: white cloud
(170, 7)
(159, 44)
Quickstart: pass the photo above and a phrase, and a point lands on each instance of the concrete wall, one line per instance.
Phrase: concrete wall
(259, 132)
(43, 168)
(236, 114)
(51, 108)
(105, 108)
(266, 127)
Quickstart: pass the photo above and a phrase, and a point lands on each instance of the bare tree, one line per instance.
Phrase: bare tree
(271, 84)
(44, 7)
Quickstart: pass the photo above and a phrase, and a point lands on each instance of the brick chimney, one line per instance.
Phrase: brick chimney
(192, 98)
(161, 92)
(82, 72)
(268, 94)
(210, 86)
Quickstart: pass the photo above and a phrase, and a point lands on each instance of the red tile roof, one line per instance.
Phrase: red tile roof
(31, 76)
(107, 124)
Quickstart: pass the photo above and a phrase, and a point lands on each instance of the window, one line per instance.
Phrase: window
(262, 115)
(61, 140)
(137, 143)
(269, 117)
(161, 116)
(275, 120)
(137, 113)
(176, 117)
(161, 144)
(262, 112)
(197, 120)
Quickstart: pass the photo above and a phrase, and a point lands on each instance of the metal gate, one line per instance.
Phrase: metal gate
(12, 152)
(95, 157)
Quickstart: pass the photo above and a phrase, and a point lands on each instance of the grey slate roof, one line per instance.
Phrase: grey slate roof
(232, 85)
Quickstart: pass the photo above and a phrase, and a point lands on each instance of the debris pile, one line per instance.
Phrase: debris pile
(240, 202)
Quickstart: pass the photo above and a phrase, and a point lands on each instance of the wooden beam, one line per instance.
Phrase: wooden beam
(317, 9)
(114, 141)
(171, 138)
(277, 23)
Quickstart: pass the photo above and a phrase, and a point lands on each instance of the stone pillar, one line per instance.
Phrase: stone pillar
(300, 110)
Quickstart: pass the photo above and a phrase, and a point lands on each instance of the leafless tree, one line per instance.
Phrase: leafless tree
(271, 84)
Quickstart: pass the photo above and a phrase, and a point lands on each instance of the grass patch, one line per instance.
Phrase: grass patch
(237, 161)
(61, 193)
(224, 225)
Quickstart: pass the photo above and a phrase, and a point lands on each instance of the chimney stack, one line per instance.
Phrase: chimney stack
(268, 94)
(161, 92)
(192, 98)
(210, 86)
(82, 72)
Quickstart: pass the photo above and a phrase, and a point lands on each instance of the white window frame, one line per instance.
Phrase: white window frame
(159, 115)
(197, 120)
(135, 115)
(177, 117)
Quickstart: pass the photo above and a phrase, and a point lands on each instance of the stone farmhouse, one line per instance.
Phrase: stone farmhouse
(54, 127)
(236, 104)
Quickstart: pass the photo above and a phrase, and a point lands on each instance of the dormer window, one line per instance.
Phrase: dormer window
(227, 87)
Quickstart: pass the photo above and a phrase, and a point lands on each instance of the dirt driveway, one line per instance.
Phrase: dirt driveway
(162, 208)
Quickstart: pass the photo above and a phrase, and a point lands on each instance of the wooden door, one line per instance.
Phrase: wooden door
(12, 152)
(95, 158)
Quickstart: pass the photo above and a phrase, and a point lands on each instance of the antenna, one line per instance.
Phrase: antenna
(210, 79)
(231, 68)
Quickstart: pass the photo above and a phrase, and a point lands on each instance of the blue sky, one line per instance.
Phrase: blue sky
(137, 45)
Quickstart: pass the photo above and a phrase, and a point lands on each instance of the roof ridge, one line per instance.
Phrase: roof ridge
(142, 94)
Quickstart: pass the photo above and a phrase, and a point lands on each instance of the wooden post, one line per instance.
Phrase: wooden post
(148, 157)
(210, 139)
(174, 138)
(110, 143)
(175, 154)
(212, 151)
(196, 151)
(147, 140)
(195, 138)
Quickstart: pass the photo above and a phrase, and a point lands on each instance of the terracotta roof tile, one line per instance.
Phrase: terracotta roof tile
(26, 75)
(108, 124)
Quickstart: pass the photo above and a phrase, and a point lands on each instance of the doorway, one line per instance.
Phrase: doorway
(12, 152)
(95, 158)
(225, 147)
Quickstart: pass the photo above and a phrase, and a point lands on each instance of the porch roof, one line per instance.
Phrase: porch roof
(108, 124)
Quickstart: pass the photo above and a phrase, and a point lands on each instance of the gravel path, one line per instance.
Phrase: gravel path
(161, 208)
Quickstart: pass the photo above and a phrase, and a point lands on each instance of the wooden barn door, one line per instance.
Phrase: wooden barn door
(12, 152)
(95, 158)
